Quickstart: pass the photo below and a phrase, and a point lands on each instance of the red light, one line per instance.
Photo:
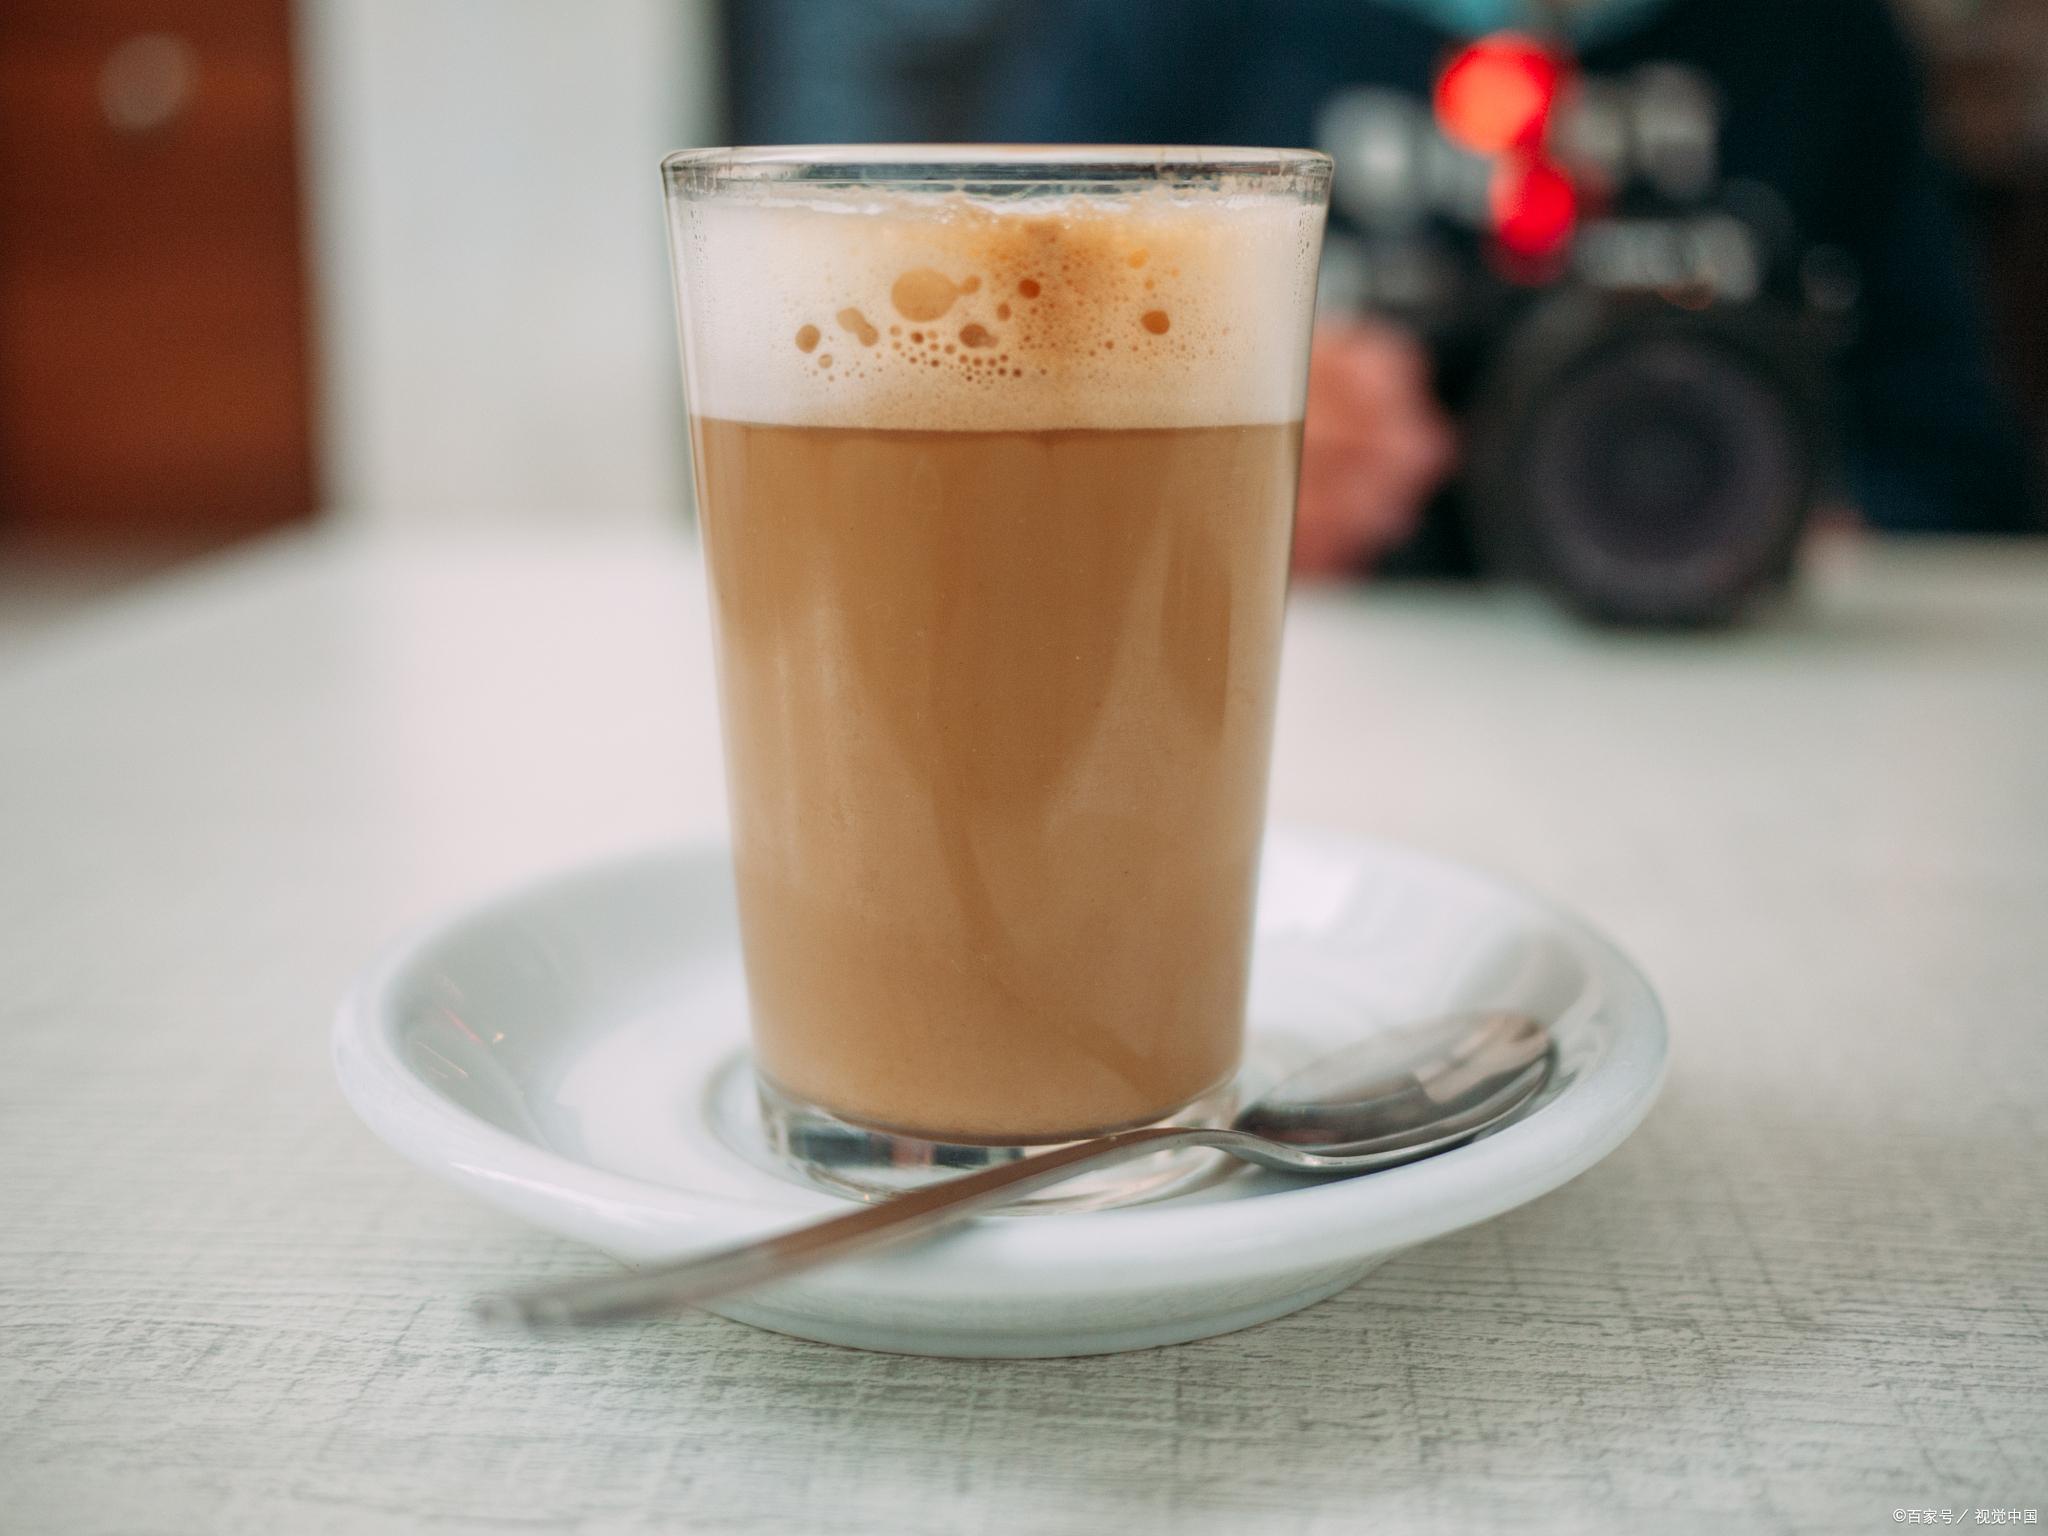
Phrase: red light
(1498, 94)
(1534, 206)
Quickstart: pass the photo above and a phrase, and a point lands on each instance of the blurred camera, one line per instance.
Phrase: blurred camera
(1635, 348)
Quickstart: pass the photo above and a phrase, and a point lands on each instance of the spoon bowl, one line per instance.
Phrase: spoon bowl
(1443, 1082)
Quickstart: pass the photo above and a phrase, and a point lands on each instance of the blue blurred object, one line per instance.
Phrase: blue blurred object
(876, 71)
(1583, 21)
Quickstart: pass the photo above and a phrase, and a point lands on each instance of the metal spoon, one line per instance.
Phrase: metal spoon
(1401, 1095)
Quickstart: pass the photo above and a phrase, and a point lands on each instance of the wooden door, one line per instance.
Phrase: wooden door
(154, 390)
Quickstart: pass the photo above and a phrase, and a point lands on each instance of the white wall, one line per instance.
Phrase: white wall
(496, 337)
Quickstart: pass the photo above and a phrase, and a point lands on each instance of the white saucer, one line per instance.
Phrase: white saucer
(554, 1051)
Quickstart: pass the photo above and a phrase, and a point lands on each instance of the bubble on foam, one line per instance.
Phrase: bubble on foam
(922, 294)
(853, 320)
(998, 316)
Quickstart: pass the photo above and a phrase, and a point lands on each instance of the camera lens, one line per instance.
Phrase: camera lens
(1659, 475)
(1649, 474)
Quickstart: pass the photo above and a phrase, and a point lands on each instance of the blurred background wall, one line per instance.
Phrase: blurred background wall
(487, 239)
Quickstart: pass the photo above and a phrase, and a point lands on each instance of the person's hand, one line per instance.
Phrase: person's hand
(1375, 446)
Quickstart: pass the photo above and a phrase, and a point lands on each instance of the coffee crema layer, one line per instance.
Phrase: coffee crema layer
(943, 312)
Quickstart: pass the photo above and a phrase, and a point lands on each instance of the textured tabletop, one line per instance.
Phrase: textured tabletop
(1811, 1294)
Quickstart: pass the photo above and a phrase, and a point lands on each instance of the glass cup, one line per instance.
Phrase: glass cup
(995, 454)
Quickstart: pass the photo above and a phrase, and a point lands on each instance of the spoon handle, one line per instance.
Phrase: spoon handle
(668, 1287)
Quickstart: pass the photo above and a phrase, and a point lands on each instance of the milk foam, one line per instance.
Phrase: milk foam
(941, 312)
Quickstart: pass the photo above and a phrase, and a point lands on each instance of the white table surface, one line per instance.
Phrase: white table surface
(1811, 1291)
